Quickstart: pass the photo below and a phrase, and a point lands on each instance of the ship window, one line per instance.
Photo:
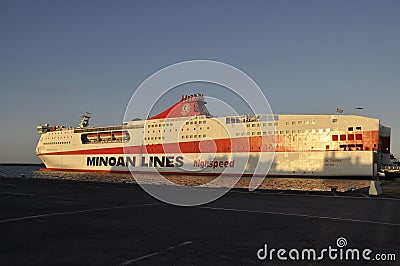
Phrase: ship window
(299, 131)
(293, 122)
(275, 123)
(287, 123)
(228, 120)
(342, 137)
(191, 122)
(258, 133)
(191, 136)
(281, 132)
(195, 122)
(358, 136)
(248, 125)
(264, 133)
(299, 122)
(183, 136)
(270, 124)
(204, 135)
(187, 123)
(269, 132)
(287, 131)
(253, 125)
(358, 128)
(208, 127)
(253, 133)
(334, 120)
(350, 128)
(294, 131)
(335, 138)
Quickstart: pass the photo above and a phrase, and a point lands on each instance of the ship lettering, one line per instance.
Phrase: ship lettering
(179, 161)
(103, 161)
(144, 164)
(162, 161)
(213, 164)
(110, 161)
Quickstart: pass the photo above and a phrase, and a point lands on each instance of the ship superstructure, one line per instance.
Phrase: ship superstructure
(187, 139)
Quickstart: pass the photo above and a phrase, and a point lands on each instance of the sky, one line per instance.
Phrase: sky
(59, 59)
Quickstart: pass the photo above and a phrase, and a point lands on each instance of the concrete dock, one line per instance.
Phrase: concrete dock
(59, 222)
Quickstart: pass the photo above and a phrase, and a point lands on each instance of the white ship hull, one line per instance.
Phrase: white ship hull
(359, 163)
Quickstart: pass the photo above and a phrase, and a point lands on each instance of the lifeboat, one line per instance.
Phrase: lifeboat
(92, 137)
(121, 135)
(105, 136)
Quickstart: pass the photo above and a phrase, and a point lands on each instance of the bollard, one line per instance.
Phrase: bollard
(375, 188)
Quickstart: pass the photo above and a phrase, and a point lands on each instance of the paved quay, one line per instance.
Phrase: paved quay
(65, 222)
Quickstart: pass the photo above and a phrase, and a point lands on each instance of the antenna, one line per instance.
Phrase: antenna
(358, 109)
(85, 120)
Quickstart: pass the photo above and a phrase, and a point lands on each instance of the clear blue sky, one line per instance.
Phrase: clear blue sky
(61, 58)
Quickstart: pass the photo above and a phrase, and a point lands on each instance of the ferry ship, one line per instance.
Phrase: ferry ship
(187, 139)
